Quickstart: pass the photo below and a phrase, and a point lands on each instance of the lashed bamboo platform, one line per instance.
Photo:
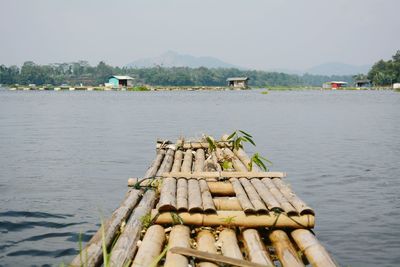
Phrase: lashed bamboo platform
(201, 215)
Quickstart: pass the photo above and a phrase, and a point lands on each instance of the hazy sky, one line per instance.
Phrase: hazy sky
(260, 34)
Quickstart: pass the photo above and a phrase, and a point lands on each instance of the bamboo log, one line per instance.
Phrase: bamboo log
(182, 184)
(166, 165)
(255, 248)
(195, 201)
(206, 242)
(192, 145)
(199, 160)
(283, 202)
(151, 246)
(266, 195)
(297, 203)
(92, 254)
(182, 195)
(224, 174)
(208, 203)
(253, 195)
(237, 164)
(126, 245)
(229, 244)
(168, 195)
(245, 159)
(221, 188)
(222, 260)
(284, 249)
(227, 203)
(241, 195)
(238, 218)
(179, 237)
(176, 167)
(152, 170)
(314, 251)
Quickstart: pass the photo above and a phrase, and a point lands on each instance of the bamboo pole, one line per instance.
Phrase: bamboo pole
(126, 245)
(92, 254)
(224, 174)
(150, 247)
(199, 160)
(192, 145)
(152, 170)
(166, 165)
(314, 251)
(221, 188)
(179, 237)
(182, 184)
(253, 195)
(266, 195)
(208, 203)
(255, 248)
(237, 164)
(229, 244)
(245, 159)
(227, 203)
(283, 202)
(206, 242)
(285, 250)
(168, 195)
(237, 218)
(297, 203)
(241, 195)
(194, 191)
(176, 167)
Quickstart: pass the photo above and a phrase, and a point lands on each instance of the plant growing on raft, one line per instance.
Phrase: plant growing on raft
(259, 161)
(229, 221)
(238, 137)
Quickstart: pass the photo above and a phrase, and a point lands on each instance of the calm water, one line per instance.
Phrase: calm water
(65, 158)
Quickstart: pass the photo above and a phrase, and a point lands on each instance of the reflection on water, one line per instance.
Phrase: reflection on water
(66, 156)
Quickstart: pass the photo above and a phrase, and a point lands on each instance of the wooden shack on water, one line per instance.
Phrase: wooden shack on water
(188, 210)
(238, 82)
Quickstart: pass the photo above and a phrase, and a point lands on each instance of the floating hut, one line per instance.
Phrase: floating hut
(238, 82)
(120, 81)
(334, 85)
(187, 210)
(365, 83)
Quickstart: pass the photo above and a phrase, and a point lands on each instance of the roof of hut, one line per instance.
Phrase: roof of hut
(238, 79)
(121, 77)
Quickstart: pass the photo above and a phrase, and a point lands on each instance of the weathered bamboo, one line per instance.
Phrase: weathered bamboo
(221, 188)
(297, 203)
(166, 165)
(92, 254)
(182, 184)
(241, 195)
(227, 203)
(255, 248)
(192, 145)
(179, 237)
(284, 249)
(224, 174)
(237, 164)
(222, 260)
(176, 167)
(245, 159)
(152, 170)
(229, 244)
(211, 164)
(150, 247)
(266, 195)
(168, 195)
(253, 195)
(195, 201)
(199, 160)
(283, 202)
(206, 242)
(208, 203)
(314, 251)
(126, 245)
(237, 218)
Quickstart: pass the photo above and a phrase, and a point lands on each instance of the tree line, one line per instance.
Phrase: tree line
(384, 73)
(82, 72)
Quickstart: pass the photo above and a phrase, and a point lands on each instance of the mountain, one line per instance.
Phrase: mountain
(337, 68)
(173, 59)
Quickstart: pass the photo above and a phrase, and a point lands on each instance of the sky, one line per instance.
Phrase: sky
(255, 34)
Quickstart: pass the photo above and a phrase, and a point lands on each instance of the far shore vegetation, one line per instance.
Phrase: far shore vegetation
(65, 75)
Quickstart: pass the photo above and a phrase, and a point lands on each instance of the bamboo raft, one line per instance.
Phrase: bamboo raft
(187, 211)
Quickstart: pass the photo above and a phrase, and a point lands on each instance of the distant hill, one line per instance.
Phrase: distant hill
(336, 68)
(173, 59)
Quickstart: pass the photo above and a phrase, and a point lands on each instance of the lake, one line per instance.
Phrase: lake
(65, 159)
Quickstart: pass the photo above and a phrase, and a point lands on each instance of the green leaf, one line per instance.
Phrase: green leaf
(249, 140)
(232, 135)
(246, 134)
(211, 143)
(226, 165)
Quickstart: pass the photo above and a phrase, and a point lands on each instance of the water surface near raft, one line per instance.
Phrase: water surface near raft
(66, 156)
